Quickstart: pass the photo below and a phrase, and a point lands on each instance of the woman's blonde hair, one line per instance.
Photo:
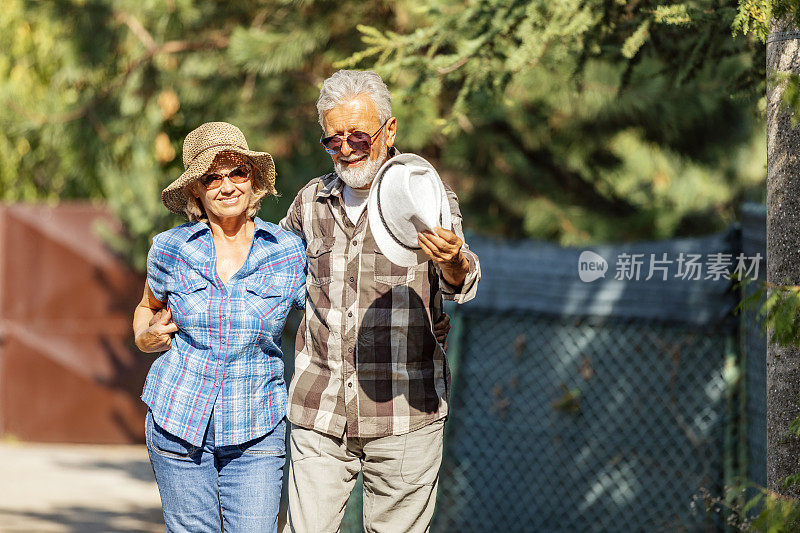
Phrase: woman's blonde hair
(194, 208)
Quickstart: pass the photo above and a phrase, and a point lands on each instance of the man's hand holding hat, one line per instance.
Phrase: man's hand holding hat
(444, 248)
(408, 209)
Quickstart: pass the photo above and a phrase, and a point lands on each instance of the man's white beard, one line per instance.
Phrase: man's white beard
(362, 176)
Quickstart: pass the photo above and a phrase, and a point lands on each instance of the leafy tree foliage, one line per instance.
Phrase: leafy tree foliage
(584, 120)
(573, 121)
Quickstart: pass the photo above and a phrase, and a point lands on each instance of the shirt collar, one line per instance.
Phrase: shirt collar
(265, 227)
(198, 227)
(194, 228)
(334, 186)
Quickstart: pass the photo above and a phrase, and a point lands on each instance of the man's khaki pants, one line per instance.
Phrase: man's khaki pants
(401, 474)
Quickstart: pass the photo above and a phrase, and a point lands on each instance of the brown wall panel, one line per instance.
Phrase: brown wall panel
(68, 369)
(47, 402)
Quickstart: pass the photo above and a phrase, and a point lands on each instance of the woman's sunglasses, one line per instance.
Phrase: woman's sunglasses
(358, 141)
(239, 174)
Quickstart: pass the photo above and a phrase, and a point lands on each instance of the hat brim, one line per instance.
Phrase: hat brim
(172, 196)
(398, 253)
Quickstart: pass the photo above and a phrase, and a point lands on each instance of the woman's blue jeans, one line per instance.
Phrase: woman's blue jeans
(205, 487)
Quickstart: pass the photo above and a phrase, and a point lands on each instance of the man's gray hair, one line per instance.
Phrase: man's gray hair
(347, 84)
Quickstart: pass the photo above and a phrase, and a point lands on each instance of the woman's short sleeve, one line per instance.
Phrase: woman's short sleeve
(158, 270)
(299, 298)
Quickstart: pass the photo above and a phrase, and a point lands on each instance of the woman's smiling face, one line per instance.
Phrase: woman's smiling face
(229, 199)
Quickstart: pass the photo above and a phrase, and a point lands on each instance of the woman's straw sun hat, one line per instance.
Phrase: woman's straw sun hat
(200, 148)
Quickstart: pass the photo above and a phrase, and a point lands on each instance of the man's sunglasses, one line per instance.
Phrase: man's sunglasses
(358, 141)
(239, 174)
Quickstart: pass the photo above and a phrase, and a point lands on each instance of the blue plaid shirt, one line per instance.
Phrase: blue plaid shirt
(226, 355)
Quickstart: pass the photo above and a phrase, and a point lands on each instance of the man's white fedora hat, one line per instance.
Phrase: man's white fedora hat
(406, 197)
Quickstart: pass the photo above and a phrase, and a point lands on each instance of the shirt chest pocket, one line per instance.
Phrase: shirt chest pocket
(190, 293)
(319, 261)
(262, 296)
(387, 273)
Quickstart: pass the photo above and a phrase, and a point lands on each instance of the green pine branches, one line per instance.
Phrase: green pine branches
(570, 120)
(574, 119)
(275, 52)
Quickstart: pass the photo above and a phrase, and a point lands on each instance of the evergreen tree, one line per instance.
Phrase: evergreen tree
(583, 120)
(573, 121)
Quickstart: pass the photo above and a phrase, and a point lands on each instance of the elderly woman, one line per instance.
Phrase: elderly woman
(217, 399)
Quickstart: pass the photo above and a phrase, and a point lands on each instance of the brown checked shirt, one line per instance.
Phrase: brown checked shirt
(366, 358)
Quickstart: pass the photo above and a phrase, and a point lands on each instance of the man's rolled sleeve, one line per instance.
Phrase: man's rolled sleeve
(469, 288)
(293, 221)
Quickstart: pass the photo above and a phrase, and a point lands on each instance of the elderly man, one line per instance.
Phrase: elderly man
(371, 384)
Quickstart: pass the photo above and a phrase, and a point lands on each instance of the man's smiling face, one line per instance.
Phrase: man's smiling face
(358, 169)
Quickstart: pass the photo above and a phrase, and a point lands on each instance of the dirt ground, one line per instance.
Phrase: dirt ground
(77, 489)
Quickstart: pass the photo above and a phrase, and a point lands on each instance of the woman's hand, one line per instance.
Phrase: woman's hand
(158, 336)
(441, 329)
(152, 324)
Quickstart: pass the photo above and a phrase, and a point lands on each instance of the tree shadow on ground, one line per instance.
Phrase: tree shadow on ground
(85, 519)
(139, 470)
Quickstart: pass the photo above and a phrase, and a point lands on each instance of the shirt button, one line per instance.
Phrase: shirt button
(350, 314)
(224, 340)
(352, 279)
(350, 385)
(355, 242)
(350, 350)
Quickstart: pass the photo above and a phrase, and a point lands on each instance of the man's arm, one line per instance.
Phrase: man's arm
(458, 266)
(444, 247)
(293, 221)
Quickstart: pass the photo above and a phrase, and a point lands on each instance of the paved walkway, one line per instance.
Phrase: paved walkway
(77, 489)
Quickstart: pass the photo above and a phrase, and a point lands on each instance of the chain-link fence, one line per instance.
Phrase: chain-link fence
(583, 425)
(602, 405)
